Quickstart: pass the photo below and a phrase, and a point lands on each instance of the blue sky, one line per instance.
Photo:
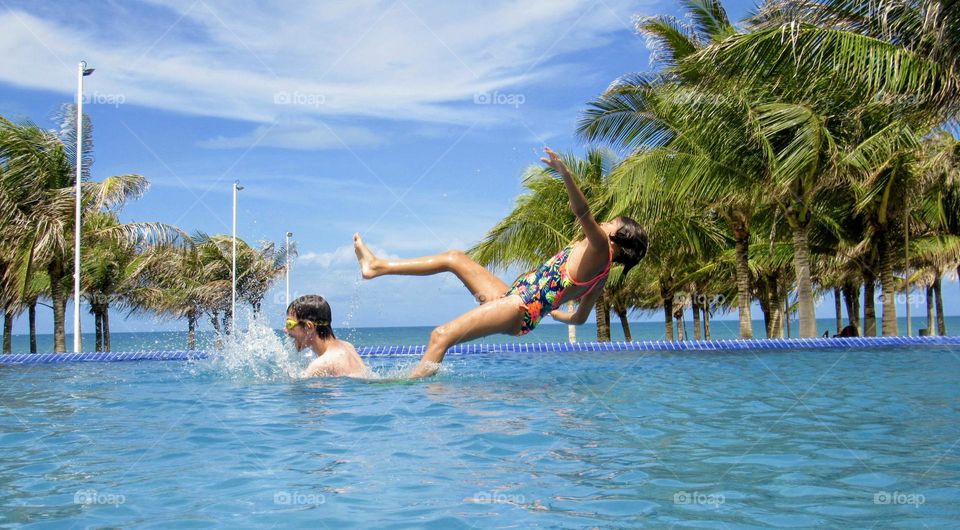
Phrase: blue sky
(409, 121)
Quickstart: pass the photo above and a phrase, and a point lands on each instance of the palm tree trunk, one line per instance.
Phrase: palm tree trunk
(106, 327)
(930, 329)
(215, 321)
(191, 330)
(869, 308)
(774, 306)
(667, 313)
(706, 322)
(603, 318)
(838, 307)
(7, 331)
(621, 311)
(786, 314)
(764, 300)
(679, 318)
(889, 317)
(696, 319)
(851, 294)
(743, 285)
(55, 271)
(801, 261)
(938, 294)
(32, 317)
(97, 330)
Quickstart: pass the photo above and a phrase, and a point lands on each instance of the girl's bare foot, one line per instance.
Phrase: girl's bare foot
(366, 258)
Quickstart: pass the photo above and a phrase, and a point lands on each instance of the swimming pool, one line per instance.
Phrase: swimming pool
(624, 439)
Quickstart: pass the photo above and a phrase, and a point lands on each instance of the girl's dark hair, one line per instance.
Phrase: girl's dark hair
(632, 241)
(313, 308)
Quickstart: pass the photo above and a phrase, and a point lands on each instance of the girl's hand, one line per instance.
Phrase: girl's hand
(553, 160)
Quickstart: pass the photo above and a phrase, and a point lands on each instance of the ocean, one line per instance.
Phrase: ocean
(414, 335)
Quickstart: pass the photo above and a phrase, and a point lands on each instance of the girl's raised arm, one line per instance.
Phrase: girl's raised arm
(578, 203)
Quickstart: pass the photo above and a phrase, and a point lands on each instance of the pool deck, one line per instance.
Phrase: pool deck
(859, 343)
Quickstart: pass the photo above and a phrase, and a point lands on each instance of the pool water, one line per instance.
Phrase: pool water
(706, 440)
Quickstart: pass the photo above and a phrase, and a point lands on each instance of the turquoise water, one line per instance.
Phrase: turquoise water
(707, 440)
(176, 340)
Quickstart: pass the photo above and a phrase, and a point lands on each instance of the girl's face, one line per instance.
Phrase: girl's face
(611, 227)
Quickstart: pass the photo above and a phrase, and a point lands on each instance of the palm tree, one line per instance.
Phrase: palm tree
(178, 285)
(648, 114)
(908, 51)
(40, 161)
(113, 269)
(261, 268)
(897, 65)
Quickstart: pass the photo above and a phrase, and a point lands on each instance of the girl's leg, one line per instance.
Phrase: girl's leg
(482, 283)
(504, 315)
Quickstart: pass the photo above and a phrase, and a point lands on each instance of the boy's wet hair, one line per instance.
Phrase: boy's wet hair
(313, 308)
(632, 241)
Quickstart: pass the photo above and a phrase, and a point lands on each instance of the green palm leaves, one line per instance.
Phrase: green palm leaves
(140, 266)
(810, 133)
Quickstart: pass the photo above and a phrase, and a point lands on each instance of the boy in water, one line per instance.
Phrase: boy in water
(309, 325)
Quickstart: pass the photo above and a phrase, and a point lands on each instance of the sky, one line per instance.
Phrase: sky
(408, 121)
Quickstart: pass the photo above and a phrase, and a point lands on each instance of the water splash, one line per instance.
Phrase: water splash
(351, 334)
(255, 352)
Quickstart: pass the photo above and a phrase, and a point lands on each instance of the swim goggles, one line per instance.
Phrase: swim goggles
(292, 323)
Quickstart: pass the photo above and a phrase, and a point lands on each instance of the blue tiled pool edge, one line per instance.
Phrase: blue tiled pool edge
(40, 358)
(537, 347)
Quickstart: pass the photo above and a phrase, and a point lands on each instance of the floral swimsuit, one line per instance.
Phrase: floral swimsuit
(541, 288)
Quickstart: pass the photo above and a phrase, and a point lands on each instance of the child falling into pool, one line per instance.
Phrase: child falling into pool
(517, 309)
(309, 325)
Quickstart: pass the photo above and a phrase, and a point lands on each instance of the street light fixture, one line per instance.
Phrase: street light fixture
(233, 256)
(82, 71)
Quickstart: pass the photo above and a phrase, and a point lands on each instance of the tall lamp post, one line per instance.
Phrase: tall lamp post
(82, 71)
(287, 254)
(233, 256)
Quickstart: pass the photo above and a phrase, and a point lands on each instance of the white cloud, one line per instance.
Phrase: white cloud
(304, 135)
(340, 258)
(398, 60)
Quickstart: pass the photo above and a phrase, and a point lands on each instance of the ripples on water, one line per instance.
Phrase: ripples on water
(795, 439)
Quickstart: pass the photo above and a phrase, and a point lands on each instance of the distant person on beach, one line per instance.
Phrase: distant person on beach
(309, 325)
(848, 331)
(517, 309)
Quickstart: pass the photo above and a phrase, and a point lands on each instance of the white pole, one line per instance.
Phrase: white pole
(77, 345)
(233, 256)
(289, 235)
(906, 266)
(571, 329)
